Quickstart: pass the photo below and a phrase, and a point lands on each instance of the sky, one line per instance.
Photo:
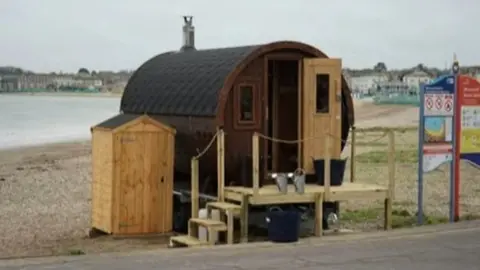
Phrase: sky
(64, 35)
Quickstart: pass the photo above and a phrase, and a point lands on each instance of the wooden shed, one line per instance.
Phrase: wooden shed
(132, 183)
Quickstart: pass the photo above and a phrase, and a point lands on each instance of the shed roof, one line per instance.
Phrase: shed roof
(123, 119)
(117, 121)
(181, 83)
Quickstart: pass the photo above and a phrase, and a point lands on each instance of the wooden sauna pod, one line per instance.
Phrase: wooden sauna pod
(132, 183)
(243, 90)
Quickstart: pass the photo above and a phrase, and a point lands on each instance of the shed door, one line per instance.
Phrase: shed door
(144, 181)
(322, 107)
(131, 182)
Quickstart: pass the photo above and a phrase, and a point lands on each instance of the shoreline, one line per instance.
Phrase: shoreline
(43, 145)
(16, 154)
(62, 94)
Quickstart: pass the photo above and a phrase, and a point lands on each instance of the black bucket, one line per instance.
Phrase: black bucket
(337, 171)
(283, 226)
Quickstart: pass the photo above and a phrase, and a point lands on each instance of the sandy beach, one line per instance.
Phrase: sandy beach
(45, 199)
(45, 193)
(44, 196)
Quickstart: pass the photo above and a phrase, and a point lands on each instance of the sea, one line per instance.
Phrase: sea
(27, 120)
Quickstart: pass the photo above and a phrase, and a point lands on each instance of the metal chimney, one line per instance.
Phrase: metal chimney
(188, 34)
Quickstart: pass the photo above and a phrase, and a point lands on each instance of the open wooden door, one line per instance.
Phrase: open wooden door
(321, 109)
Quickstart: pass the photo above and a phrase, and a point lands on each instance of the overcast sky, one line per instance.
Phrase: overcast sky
(54, 35)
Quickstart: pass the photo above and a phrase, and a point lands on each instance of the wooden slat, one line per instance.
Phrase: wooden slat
(220, 164)
(255, 163)
(352, 153)
(269, 194)
(224, 205)
(217, 224)
(186, 240)
(102, 179)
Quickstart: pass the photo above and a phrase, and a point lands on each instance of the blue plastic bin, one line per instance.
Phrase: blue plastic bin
(283, 226)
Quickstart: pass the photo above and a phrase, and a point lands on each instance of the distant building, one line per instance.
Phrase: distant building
(35, 81)
(415, 76)
(11, 83)
(16, 79)
(396, 86)
(77, 81)
(8, 83)
(64, 80)
(114, 81)
(365, 82)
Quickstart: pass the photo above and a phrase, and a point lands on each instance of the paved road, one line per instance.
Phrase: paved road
(444, 247)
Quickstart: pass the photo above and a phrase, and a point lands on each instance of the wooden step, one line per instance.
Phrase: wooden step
(186, 240)
(231, 211)
(225, 206)
(216, 225)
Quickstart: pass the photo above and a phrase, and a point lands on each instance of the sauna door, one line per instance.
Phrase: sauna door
(322, 108)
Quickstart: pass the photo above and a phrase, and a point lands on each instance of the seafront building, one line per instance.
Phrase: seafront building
(60, 82)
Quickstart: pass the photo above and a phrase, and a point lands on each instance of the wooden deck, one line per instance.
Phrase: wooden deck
(235, 200)
(269, 195)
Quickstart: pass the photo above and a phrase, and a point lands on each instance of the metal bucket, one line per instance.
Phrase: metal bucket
(281, 179)
(333, 221)
(299, 180)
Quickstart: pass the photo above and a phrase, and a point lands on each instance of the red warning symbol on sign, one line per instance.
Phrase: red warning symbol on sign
(438, 103)
(448, 105)
(429, 103)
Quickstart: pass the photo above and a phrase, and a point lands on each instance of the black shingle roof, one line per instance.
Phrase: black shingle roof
(182, 83)
(117, 120)
(123, 118)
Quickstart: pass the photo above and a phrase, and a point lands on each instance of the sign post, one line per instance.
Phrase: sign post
(436, 134)
(449, 131)
(467, 127)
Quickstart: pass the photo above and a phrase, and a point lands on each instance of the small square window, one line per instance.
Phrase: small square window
(246, 103)
(245, 106)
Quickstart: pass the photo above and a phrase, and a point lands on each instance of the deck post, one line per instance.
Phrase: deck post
(391, 163)
(220, 165)
(255, 163)
(194, 194)
(244, 218)
(391, 181)
(319, 214)
(326, 171)
(352, 154)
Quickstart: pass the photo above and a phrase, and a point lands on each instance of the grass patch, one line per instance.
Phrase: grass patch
(401, 156)
(401, 218)
(470, 217)
(76, 252)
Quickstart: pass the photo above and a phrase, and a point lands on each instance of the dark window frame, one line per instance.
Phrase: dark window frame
(324, 99)
(239, 122)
